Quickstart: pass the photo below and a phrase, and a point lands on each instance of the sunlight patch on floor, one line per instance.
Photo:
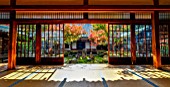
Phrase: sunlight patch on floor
(88, 72)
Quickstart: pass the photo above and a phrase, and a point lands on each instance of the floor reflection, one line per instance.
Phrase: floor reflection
(76, 75)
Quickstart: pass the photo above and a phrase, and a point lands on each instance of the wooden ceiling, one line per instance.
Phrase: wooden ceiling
(164, 2)
(4, 2)
(120, 2)
(80, 2)
(49, 2)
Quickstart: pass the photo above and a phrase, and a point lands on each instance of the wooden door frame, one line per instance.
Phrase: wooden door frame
(105, 21)
(166, 60)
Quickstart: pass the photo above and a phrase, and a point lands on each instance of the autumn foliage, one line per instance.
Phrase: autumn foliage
(73, 33)
(99, 35)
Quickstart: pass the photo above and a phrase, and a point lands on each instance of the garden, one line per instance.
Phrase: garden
(94, 34)
(82, 57)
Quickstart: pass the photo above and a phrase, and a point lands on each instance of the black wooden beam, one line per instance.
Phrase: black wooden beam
(12, 3)
(87, 8)
(132, 16)
(85, 15)
(86, 2)
(4, 21)
(94, 7)
(156, 2)
(124, 21)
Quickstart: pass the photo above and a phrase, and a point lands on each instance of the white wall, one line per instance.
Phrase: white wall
(74, 45)
(87, 45)
(93, 47)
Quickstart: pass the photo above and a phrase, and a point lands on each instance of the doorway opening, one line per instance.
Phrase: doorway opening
(75, 43)
(4, 38)
(86, 43)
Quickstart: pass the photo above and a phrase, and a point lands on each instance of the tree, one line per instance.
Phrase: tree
(99, 34)
(73, 33)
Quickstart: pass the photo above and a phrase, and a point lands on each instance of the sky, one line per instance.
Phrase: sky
(4, 28)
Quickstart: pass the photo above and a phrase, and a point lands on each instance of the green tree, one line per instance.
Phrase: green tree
(99, 34)
(73, 33)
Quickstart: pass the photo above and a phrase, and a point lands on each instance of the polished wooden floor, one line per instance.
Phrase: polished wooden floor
(84, 75)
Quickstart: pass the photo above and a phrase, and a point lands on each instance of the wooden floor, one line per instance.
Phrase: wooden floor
(85, 75)
(3, 67)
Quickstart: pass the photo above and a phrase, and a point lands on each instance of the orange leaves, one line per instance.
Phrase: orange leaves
(74, 29)
(73, 32)
(98, 37)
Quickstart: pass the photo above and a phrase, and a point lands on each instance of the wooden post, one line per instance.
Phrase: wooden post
(38, 43)
(3, 43)
(86, 2)
(156, 3)
(133, 44)
(90, 46)
(108, 46)
(169, 39)
(12, 42)
(155, 40)
(133, 40)
(12, 3)
(63, 44)
(85, 15)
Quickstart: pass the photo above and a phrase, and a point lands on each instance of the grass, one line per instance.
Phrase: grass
(87, 60)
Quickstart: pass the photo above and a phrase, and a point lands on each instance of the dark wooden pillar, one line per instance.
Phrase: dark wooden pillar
(3, 43)
(85, 15)
(133, 44)
(12, 3)
(156, 2)
(133, 40)
(38, 44)
(71, 46)
(12, 42)
(86, 2)
(169, 39)
(108, 46)
(63, 44)
(90, 46)
(155, 40)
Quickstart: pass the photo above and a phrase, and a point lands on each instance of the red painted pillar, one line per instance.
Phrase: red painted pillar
(38, 44)
(12, 45)
(155, 40)
(12, 42)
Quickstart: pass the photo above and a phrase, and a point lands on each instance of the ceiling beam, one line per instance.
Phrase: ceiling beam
(86, 2)
(156, 2)
(12, 3)
(87, 8)
(116, 21)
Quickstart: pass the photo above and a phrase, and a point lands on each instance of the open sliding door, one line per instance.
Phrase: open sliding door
(52, 44)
